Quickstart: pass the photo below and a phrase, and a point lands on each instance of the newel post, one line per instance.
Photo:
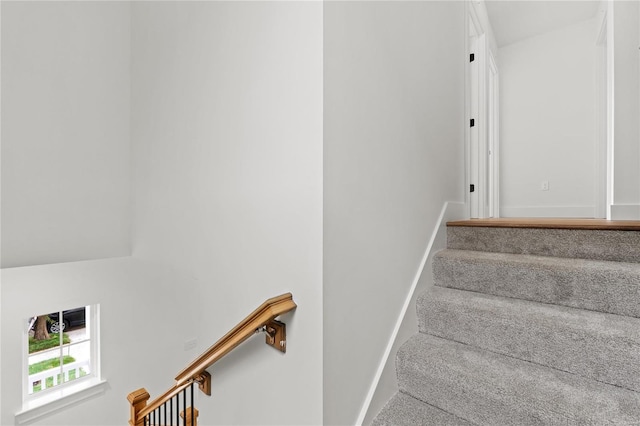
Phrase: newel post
(186, 414)
(138, 400)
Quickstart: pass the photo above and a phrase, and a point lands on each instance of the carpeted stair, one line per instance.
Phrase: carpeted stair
(525, 326)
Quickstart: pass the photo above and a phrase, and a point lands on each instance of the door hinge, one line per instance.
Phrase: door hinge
(472, 57)
(472, 188)
(472, 123)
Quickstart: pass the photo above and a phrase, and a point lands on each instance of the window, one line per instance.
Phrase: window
(61, 359)
(59, 348)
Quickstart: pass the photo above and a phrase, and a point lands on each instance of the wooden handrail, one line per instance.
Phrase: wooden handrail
(263, 316)
(156, 403)
(266, 312)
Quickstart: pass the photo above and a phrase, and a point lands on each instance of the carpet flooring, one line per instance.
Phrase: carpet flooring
(525, 327)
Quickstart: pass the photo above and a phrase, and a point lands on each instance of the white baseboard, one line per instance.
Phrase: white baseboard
(548, 211)
(384, 385)
(625, 212)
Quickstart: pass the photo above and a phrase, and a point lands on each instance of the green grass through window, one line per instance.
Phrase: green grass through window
(52, 342)
(48, 364)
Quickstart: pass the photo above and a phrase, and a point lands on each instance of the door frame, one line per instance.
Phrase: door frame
(493, 140)
(483, 201)
(486, 174)
(604, 108)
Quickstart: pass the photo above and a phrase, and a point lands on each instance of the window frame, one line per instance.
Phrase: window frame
(38, 404)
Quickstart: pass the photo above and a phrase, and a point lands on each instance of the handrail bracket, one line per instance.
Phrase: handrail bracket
(204, 382)
(275, 334)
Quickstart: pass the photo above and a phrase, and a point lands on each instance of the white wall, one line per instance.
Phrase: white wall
(65, 133)
(388, 383)
(1, 74)
(626, 157)
(133, 332)
(548, 124)
(65, 180)
(227, 150)
(393, 154)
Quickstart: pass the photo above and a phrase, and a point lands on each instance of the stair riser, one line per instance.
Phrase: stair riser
(488, 389)
(621, 246)
(602, 286)
(597, 346)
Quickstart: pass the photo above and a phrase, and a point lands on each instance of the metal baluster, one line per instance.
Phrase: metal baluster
(153, 418)
(171, 412)
(144, 421)
(192, 418)
(177, 397)
(184, 406)
(165, 413)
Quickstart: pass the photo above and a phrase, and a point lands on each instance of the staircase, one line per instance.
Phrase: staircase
(526, 326)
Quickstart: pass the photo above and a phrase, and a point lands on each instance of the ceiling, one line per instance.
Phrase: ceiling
(515, 20)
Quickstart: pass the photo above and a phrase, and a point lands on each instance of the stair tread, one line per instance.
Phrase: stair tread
(553, 223)
(596, 345)
(487, 388)
(599, 285)
(404, 410)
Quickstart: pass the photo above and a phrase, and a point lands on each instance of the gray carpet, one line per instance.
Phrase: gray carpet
(603, 286)
(619, 246)
(594, 345)
(490, 389)
(404, 410)
(525, 327)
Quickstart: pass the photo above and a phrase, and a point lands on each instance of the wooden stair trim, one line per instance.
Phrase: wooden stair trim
(157, 403)
(196, 370)
(266, 312)
(551, 223)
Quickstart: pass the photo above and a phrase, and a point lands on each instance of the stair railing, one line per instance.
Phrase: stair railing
(177, 403)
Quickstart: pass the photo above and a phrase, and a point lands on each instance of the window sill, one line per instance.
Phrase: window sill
(59, 399)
